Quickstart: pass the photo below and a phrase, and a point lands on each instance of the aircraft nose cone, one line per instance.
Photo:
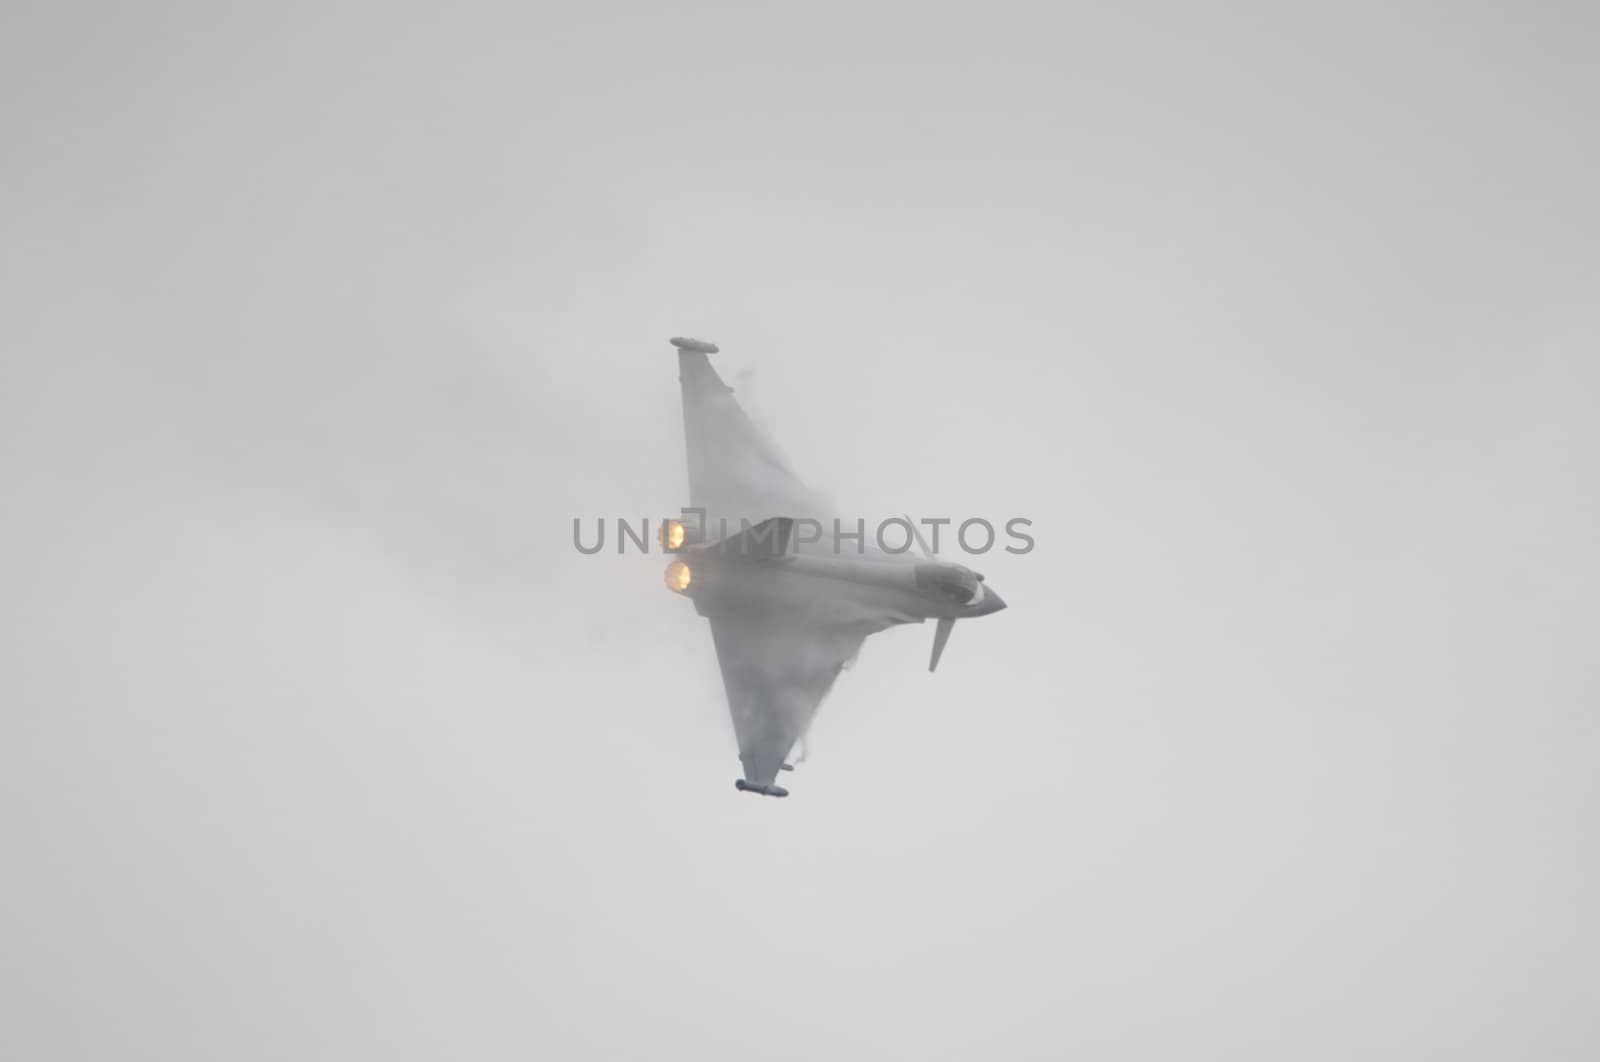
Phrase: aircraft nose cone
(991, 603)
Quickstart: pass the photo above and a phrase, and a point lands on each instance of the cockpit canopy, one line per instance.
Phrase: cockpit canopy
(950, 581)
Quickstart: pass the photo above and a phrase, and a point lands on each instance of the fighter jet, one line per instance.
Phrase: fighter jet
(789, 602)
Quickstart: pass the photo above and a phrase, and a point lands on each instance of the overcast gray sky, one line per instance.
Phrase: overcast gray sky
(320, 324)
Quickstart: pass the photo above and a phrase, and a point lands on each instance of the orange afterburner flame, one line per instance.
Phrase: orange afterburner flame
(671, 535)
(678, 576)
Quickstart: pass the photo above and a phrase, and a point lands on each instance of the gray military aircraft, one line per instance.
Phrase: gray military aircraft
(788, 610)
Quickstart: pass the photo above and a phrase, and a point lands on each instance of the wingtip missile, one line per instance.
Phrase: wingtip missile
(765, 790)
(697, 345)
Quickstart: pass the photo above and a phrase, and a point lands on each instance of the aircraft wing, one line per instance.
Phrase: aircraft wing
(735, 469)
(777, 666)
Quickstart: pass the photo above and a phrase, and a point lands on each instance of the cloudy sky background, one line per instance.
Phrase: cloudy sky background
(320, 326)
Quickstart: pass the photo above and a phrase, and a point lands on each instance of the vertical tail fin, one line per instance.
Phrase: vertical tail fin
(941, 635)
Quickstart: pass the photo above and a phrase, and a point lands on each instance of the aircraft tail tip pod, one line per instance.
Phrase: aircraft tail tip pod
(699, 346)
(765, 790)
